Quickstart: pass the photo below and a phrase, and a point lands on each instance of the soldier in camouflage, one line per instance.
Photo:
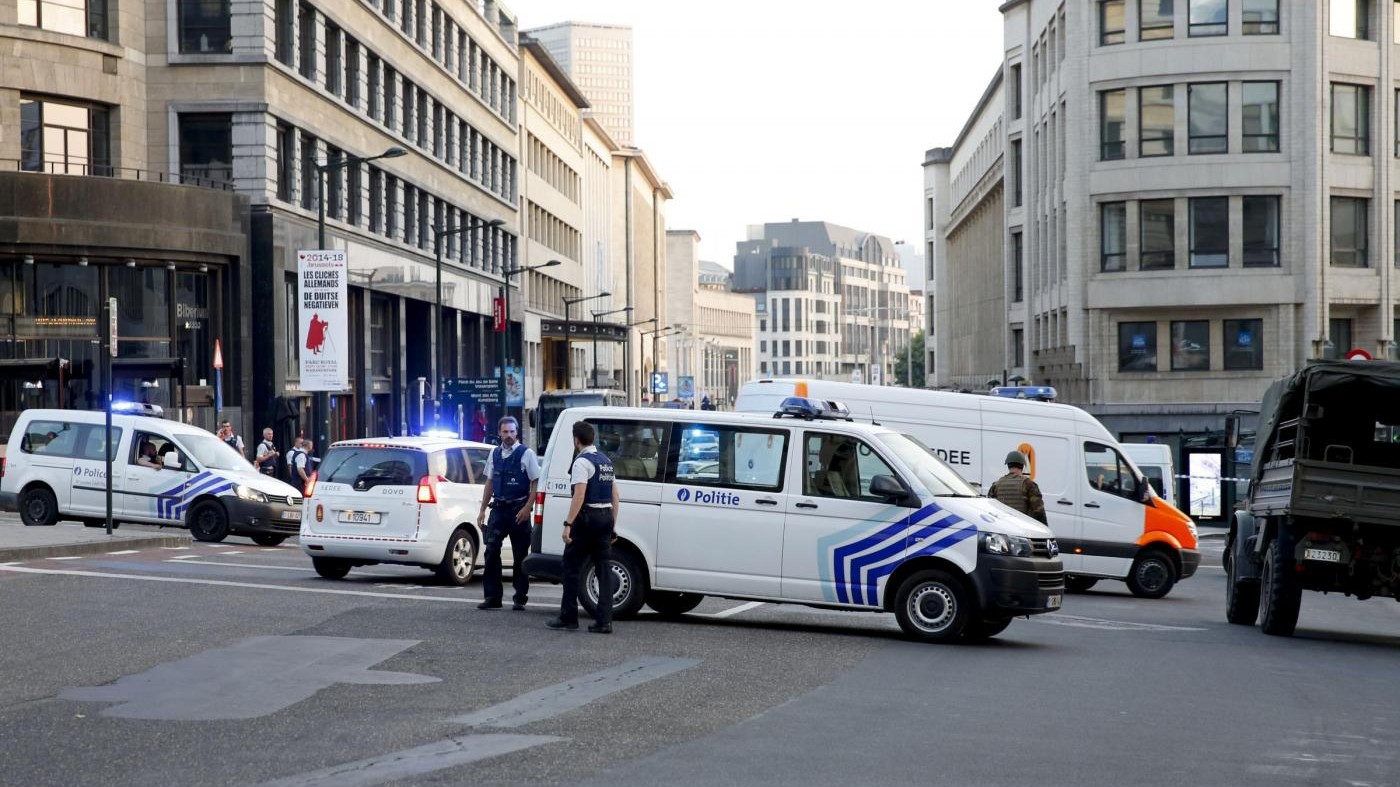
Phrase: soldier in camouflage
(1017, 490)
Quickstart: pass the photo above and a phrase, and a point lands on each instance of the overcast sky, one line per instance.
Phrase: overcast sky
(768, 110)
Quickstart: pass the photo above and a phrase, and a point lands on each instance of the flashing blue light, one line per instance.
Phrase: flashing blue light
(1039, 393)
(800, 407)
(441, 433)
(138, 408)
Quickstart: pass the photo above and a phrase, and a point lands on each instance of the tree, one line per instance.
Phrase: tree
(901, 364)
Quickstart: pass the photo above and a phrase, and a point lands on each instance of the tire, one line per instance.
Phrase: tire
(629, 586)
(1241, 597)
(1077, 584)
(98, 523)
(1279, 593)
(673, 605)
(933, 606)
(38, 507)
(458, 565)
(986, 628)
(208, 521)
(267, 539)
(330, 567)
(1153, 575)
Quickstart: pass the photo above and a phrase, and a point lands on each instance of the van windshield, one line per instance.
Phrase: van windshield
(214, 454)
(937, 477)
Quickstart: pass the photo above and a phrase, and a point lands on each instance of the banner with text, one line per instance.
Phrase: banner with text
(324, 318)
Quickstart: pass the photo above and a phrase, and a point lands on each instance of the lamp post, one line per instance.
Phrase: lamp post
(506, 273)
(568, 346)
(627, 365)
(596, 315)
(322, 398)
(438, 234)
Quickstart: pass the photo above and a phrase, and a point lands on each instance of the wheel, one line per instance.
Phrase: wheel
(1076, 584)
(1279, 593)
(98, 523)
(208, 521)
(38, 507)
(330, 567)
(628, 584)
(267, 539)
(985, 629)
(458, 560)
(1241, 596)
(1153, 575)
(932, 606)
(672, 605)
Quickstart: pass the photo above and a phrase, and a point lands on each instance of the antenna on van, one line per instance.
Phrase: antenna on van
(873, 422)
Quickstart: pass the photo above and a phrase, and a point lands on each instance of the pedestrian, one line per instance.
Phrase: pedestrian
(512, 476)
(588, 531)
(232, 440)
(266, 459)
(1017, 490)
(299, 463)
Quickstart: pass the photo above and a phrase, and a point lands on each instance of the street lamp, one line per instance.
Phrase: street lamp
(568, 346)
(322, 398)
(596, 315)
(438, 234)
(506, 273)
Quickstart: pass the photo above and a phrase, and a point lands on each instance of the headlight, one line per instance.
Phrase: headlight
(998, 544)
(249, 493)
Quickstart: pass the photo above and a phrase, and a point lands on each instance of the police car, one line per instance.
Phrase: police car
(802, 506)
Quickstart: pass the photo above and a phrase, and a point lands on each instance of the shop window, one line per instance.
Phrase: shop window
(1190, 345)
(143, 301)
(1244, 344)
(1137, 346)
(205, 27)
(193, 324)
(381, 337)
(206, 148)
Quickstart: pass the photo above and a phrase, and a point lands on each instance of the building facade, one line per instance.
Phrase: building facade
(714, 344)
(598, 58)
(1199, 199)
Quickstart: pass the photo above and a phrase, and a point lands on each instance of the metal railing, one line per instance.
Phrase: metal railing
(79, 169)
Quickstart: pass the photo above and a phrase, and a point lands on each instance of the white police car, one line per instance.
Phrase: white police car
(804, 506)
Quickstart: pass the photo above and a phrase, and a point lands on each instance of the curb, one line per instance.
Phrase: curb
(20, 554)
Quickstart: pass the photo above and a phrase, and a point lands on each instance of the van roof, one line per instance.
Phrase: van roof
(411, 442)
(715, 417)
(118, 420)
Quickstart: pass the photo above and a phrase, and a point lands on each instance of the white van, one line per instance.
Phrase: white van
(810, 509)
(1155, 462)
(55, 469)
(1108, 522)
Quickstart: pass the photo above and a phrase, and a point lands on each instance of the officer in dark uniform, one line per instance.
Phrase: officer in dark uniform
(588, 531)
(512, 475)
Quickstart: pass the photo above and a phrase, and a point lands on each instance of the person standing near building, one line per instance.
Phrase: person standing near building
(232, 440)
(1017, 490)
(512, 476)
(300, 461)
(588, 531)
(266, 460)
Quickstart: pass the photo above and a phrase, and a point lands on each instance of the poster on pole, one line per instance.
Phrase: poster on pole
(685, 387)
(323, 317)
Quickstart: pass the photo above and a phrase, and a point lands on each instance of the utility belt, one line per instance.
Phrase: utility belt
(496, 502)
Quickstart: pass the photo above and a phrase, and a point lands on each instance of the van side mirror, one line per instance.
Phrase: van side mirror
(172, 460)
(888, 488)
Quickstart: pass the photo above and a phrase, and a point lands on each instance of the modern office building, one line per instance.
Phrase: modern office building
(715, 340)
(598, 58)
(1164, 206)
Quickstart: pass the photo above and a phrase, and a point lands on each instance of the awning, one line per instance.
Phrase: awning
(148, 367)
(28, 368)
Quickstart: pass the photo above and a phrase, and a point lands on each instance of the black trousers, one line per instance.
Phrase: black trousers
(590, 541)
(500, 526)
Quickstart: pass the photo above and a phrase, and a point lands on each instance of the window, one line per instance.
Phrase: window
(52, 438)
(374, 87)
(1261, 231)
(1156, 19)
(391, 92)
(1191, 346)
(1210, 232)
(1018, 347)
(1351, 119)
(841, 467)
(1349, 232)
(638, 448)
(1339, 333)
(1111, 118)
(1016, 92)
(1156, 121)
(1016, 166)
(1109, 472)
(309, 184)
(352, 72)
(1259, 117)
(333, 62)
(1208, 123)
(1259, 17)
(306, 43)
(290, 343)
(1157, 230)
(1244, 345)
(1209, 18)
(286, 162)
(1018, 269)
(728, 456)
(1114, 235)
(1351, 19)
(1397, 243)
(74, 17)
(376, 200)
(1111, 22)
(206, 147)
(286, 32)
(64, 139)
(205, 26)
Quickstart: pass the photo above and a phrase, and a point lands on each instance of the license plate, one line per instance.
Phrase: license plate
(1053, 602)
(1324, 555)
(360, 517)
(292, 516)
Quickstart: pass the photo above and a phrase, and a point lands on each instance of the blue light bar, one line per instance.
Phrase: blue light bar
(809, 409)
(138, 408)
(1039, 393)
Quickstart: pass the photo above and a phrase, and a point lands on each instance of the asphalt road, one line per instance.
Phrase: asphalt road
(236, 665)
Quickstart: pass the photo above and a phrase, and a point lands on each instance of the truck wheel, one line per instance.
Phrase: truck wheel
(38, 507)
(1279, 593)
(985, 629)
(330, 567)
(673, 605)
(1075, 584)
(1153, 575)
(208, 521)
(1241, 597)
(458, 560)
(932, 606)
(628, 586)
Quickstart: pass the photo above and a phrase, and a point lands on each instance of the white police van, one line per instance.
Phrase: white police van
(802, 506)
(163, 473)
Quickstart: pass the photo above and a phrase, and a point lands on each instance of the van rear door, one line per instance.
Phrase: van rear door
(369, 490)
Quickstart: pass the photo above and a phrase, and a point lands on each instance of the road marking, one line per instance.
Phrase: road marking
(1057, 619)
(732, 611)
(174, 548)
(183, 557)
(561, 698)
(68, 557)
(418, 761)
(125, 552)
(183, 561)
(233, 552)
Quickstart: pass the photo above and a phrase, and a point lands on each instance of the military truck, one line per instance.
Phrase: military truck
(1323, 511)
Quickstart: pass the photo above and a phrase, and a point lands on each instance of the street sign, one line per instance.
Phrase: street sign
(481, 390)
(498, 311)
(112, 326)
(1359, 355)
(559, 329)
(218, 355)
(660, 383)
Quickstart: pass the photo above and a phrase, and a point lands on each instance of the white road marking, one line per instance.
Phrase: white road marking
(174, 548)
(125, 552)
(732, 611)
(181, 560)
(1058, 619)
(68, 557)
(234, 552)
(418, 761)
(183, 557)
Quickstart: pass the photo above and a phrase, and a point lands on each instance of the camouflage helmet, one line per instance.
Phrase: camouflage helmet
(1016, 459)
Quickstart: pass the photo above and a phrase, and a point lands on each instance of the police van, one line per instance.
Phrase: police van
(1109, 522)
(801, 505)
(163, 473)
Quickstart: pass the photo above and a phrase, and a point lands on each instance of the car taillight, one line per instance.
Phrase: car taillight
(539, 509)
(310, 485)
(427, 493)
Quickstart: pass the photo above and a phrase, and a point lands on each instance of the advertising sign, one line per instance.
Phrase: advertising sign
(515, 385)
(323, 316)
(498, 313)
(685, 387)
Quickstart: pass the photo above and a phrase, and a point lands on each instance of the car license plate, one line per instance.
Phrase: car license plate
(1324, 555)
(1053, 602)
(292, 516)
(360, 517)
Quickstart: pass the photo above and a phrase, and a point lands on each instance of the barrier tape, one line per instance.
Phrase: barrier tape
(1209, 477)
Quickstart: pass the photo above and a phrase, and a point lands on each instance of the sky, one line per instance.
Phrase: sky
(770, 110)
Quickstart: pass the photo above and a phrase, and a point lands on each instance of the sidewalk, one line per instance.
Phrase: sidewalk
(70, 539)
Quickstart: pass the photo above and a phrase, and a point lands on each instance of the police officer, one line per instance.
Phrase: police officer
(512, 475)
(588, 532)
(1017, 490)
